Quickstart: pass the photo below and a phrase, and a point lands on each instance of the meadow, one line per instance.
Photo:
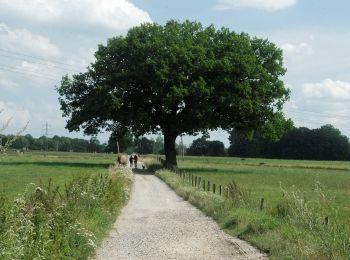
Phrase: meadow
(58, 205)
(266, 178)
(17, 171)
(306, 207)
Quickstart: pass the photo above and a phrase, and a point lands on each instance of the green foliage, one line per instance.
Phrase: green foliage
(46, 223)
(324, 143)
(201, 146)
(144, 145)
(125, 141)
(56, 143)
(177, 78)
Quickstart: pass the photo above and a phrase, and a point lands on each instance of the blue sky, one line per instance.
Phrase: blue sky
(42, 40)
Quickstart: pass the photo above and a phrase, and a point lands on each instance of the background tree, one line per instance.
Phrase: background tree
(216, 148)
(125, 142)
(202, 146)
(180, 78)
(158, 146)
(198, 147)
(324, 143)
(143, 145)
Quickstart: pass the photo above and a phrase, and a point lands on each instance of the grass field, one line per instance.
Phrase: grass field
(66, 217)
(265, 177)
(306, 203)
(17, 171)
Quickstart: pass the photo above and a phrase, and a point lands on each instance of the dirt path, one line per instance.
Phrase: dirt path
(158, 224)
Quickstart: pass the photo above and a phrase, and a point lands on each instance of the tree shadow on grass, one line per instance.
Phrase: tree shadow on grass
(59, 164)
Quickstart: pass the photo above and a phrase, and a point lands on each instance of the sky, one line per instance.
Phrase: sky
(42, 40)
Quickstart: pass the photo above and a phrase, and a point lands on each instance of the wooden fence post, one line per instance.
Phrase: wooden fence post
(220, 189)
(262, 204)
(195, 181)
(203, 185)
(208, 186)
(214, 188)
(199, 181)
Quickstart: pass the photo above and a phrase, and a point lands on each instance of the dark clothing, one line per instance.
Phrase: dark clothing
(135, 161)
(131, 161)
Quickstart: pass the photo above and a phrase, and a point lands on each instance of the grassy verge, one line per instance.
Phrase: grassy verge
(52, 222)
(294, 229)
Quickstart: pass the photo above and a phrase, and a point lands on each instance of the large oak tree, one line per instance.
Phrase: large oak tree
(180, 78)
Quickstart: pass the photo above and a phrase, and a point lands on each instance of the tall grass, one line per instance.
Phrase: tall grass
(48, 222)
(296, 228)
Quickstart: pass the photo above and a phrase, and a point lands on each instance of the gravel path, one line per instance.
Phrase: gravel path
(158, 224)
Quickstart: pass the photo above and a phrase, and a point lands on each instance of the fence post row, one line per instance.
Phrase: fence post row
(196, 181)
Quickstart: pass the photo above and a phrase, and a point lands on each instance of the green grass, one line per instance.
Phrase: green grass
(58, 205)
(264, 178)
(298, 196)
(17, 171)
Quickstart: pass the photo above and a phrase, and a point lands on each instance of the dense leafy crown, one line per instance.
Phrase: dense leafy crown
(180, 77)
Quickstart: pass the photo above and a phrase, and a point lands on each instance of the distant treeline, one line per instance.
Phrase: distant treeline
(55, 143)
(324, 143)
(127, 144)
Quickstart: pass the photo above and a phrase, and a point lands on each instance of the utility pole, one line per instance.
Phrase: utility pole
(46, 130)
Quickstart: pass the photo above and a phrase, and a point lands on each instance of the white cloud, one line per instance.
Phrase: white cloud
(7, 84)
(328, 89)
(269, 5)
(114, 14)
(297, 50)
(24, 41)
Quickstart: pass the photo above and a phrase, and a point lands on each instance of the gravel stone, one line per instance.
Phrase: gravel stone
(158, 224)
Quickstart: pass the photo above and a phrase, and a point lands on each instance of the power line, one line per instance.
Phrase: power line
(46, 63)
(29, 70)
(38, 58)
(34, 74)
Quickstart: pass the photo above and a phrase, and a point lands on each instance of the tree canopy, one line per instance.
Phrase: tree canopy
(201, 146)
(180, 78)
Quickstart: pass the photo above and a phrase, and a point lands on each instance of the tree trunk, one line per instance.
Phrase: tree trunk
(169, 149)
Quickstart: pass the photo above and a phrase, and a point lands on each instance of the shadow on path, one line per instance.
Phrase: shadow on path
(142, 171)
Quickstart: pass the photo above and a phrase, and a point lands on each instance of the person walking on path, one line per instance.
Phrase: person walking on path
(131, 161)
(135, 160)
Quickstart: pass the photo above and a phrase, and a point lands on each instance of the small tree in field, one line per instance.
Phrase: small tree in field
(10, 140)
(180, 78)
